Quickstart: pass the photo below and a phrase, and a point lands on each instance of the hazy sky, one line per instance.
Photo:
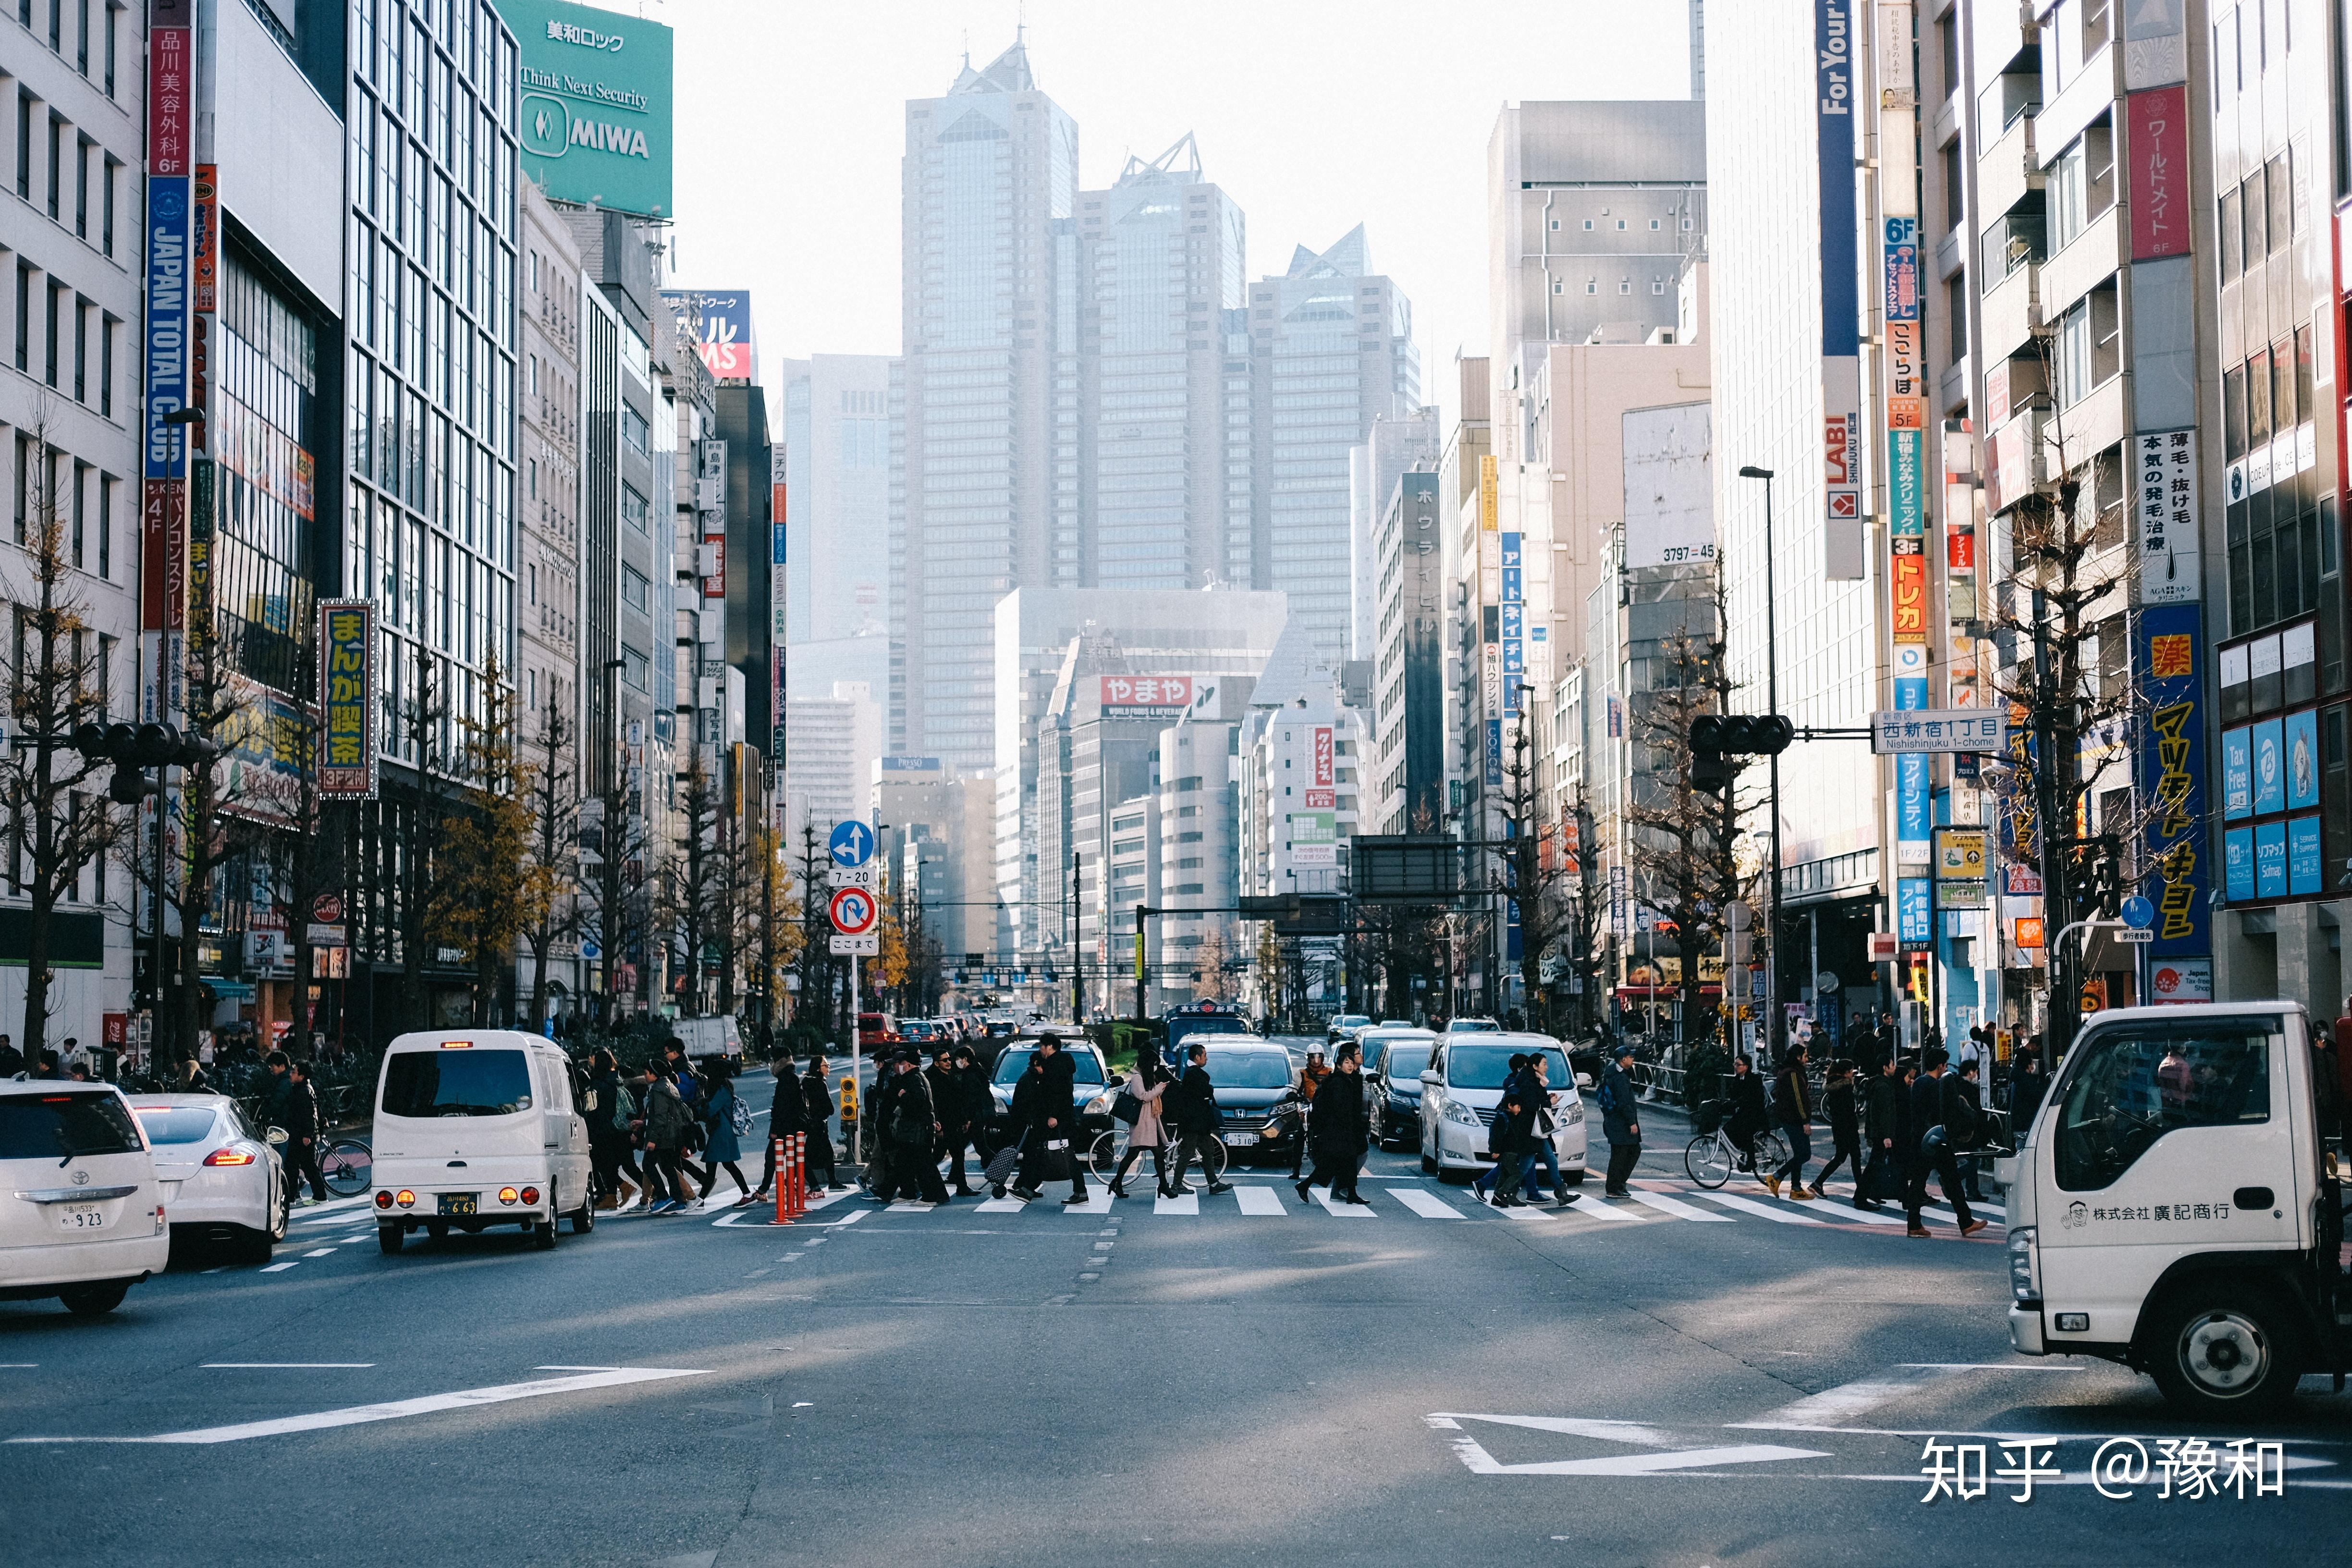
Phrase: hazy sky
(1314, 115)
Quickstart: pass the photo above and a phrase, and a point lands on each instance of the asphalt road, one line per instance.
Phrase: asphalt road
(1678, 1380)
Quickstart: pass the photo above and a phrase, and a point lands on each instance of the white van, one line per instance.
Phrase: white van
(81, 1214)
(476, 1128)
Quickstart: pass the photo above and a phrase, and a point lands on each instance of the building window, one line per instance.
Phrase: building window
(1592, 286)
(1588, 226)
(105, 536)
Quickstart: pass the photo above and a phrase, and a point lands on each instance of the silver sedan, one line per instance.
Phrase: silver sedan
(222, 1181)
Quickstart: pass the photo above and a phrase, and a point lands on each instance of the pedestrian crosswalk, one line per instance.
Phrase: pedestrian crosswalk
(1401, 1199)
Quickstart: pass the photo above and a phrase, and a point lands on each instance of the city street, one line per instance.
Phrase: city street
(1682, 1378)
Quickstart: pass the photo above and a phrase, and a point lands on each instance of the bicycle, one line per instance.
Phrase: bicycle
(348, 1164)
(1110, 1147)
(1712, 1156)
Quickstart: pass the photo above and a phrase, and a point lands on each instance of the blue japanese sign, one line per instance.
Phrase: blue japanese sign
(1914, 924)
(169, 221)
(1834, 126)
(2238, 864)
(2302, 760)
(2304, 871)
(2270, 770)
(2270, 860)
(2237, 773)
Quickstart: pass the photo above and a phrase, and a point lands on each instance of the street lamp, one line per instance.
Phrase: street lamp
(1772, 1020)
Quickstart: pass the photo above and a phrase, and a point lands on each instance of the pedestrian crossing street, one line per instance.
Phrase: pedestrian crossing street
(1405, 1201)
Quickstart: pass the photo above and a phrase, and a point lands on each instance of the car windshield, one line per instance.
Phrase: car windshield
(1015, 1061)
(176, 1124)
(455, 1083)
(1349, 1021)
(1249, 1069)
(1406, 1061)
(1473, 1026)
(59, 1126)
(1486, 1067)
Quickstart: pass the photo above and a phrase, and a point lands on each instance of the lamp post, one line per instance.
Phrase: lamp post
(1773, 1024)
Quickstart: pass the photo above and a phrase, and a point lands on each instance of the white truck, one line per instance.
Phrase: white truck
(709, 1037)
(2176, 1208)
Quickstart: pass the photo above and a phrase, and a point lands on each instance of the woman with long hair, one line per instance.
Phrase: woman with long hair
(1149, 1086)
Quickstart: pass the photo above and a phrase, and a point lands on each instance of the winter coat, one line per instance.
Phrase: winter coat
(1337, 1125)
(1057, 1097)
(979, 1105)
(1147, 1133)
(1927, 1111)
(667, 1117)
(816, 1099)
(1748, 1116)
(1963, 1111)
(1512, 1130)
(606, 1087)
(1838, 1100)
(949, 1108)
(1191, 1108)
(1793, 1098)
(1617, 1117)
(1310, 1079)
(719, 1146)
(788, 1107)
(1885, 1112)
(298, 1110)
(908, 1116)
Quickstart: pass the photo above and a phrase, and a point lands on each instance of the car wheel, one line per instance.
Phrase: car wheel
(1573, 1178)
(583, 1218)
(388, 1238)
(437, 1229)
(1453, 1178)
(94, 1299)
(2221, 1350)
(543, 1234)
(253, 1247)
(283, 1220)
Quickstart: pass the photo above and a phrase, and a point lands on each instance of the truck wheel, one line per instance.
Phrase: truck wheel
(388, 1238)
(2220, 1351)
(544, 1236)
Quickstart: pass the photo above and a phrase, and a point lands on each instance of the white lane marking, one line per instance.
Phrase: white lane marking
(1946, 1216)
(1832, 1208)
(321, 1252)
(273, 1366)
(1259, 1200)
(1761, 1211)
(1665, 1461)
(1344, 1211)
(18, 1365)
(280, 1267)
(394, 1410)
(852, 1217)
(1679, 1209)
(1007, 1205)
(909, 1206)
(1183, 1204)
(1426, 1205)
(1832, 1409)
(1097, 1202)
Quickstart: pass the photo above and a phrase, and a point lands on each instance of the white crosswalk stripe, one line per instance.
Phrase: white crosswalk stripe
(1679, 1209)
(1429, 1205)
(1259, 1201)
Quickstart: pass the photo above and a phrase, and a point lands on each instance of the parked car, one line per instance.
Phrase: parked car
(1258, 1108)
(87, 1221)
(222, 1182)
(476, 1128)
(1463, 1089)
(1345, 1026)
(876, 1030)
(1395, 1059)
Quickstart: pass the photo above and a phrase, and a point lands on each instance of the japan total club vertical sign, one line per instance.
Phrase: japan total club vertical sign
(347, 700)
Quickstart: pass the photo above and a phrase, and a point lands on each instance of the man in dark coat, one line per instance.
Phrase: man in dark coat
(299, 1106)
(1943, 1124)
(951, 1109)
(1748, 1116)
(1505, 1137)
(787, 1114)
(1885, 1116)
(1190, 1112)
(1841, 1104)
(1619, 1122)
(1050, 1117)
(979, 1105)
(1339, 1131)
(912, 1126)
(817, 1110)
(2027, 1085)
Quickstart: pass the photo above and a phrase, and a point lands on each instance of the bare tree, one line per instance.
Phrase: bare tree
(1533, 872)
(483, 892)
(56, 683)
(692, 902)
(550, 911)
(423, 726)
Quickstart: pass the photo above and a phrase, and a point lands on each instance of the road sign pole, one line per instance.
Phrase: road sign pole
(857, 1128)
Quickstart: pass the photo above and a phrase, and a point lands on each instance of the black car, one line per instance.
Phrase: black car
(1258, 1108)
(1395, 1059)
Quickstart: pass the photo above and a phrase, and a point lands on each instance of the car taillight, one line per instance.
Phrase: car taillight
(383, 1200)
(506, 1194)
(530, 1195)
(230, 1157)
(406, 1197)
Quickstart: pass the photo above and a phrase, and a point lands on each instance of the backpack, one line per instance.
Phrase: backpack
(740, 1117)
(1606, 1096)
(624, 1105)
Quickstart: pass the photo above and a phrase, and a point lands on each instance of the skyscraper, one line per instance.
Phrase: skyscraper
(1331, 349)
(1161, 259)
(990, 319)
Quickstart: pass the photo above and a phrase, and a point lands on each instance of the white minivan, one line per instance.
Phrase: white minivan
(1462, 1092)
(476, 1128)
(81, 1214)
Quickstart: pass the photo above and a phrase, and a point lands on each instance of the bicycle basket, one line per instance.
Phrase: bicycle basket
(1708, 1119)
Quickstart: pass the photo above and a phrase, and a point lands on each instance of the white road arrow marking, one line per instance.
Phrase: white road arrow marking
(1665, 1460)
(360, 1415)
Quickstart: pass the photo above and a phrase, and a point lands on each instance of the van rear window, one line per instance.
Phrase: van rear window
(424, 1084)
(58, 1126)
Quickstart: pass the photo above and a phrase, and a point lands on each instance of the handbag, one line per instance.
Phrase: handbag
(1053, 1161)
(1124, 1107)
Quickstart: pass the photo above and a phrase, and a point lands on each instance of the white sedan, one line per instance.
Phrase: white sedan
(222, 1181)
(1461, 1091)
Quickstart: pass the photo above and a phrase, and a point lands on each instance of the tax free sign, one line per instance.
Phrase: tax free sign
(595, 104)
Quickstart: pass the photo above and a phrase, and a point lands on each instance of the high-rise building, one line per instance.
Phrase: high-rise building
(1397, 444)
(1330, 349)
(835, 742)
(989, 319)
(840, 431)
(1160, 263)
(1404, 787)
(547, 680)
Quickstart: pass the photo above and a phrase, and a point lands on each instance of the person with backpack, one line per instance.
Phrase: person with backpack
(1618, 1123)
(1793, 1109)
(1845, 1128)
(608, 1109)
(1949, 1120)
(666, 1125)
(1192, 1114)
(724, 1118)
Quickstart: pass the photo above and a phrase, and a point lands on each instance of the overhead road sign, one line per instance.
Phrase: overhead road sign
(1916, 730)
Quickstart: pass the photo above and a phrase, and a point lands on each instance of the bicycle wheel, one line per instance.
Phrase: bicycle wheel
(1707, 1160)
(1103, 1158)
(347, 1163)
(1212, 1160)
(1772, 1154)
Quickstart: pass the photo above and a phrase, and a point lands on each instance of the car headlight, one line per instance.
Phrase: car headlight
(1271, 1130)
(1575, 1113)
(1457, 1112)
(2025, 1265)
(1099, 1106)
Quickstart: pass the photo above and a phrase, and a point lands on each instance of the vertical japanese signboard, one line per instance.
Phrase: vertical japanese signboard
(165, 369)
(1841, 299)
(2172, 778)
(346, 699)
(2164, 487)
(2155, 143)
(776, 609)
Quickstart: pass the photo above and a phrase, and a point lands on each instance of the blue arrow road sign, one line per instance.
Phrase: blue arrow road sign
(2139, 913)
(852, 843)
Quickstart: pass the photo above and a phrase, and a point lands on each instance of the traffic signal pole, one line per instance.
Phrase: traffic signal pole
(1774, 1022)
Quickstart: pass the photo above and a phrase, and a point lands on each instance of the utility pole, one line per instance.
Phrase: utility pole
(2052, 742)
(1077, 957)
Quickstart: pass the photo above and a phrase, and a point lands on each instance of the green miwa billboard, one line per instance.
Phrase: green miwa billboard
(595, 98)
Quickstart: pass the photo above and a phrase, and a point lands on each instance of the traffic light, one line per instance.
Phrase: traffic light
(1715, 738)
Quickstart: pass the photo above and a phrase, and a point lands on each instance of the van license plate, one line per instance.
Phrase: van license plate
(457, 1203)
(81, 1216)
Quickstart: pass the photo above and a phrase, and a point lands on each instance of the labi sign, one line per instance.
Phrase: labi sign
(594, 104)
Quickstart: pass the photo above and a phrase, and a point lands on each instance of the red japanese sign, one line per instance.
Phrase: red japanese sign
(2156, 148)
(171, 91)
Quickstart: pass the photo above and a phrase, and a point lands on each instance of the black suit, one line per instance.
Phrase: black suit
(1192, 1113)
(1929, 1104)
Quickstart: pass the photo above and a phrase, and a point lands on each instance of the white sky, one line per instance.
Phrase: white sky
(1313, 115)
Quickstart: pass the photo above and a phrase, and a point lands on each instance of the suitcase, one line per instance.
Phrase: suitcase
(1002, 1164)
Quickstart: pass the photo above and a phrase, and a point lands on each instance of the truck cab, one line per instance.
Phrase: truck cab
(2176, 1206)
